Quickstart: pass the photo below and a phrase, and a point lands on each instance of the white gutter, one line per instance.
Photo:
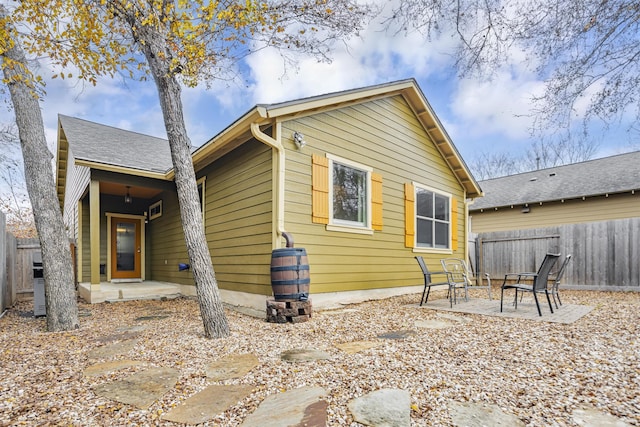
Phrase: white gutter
(278, 181)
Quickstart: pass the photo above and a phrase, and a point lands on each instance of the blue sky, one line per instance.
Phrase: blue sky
(480, 116)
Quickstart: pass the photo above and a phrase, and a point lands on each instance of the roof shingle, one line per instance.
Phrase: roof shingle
(112, 146)
(608, 175)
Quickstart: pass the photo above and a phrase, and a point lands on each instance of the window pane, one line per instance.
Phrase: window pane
(125, 246)
(442, 235)
(424, 203)
(349, 193)
(425, 233)
(442, 208)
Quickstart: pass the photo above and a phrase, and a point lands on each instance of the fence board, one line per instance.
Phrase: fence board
(24, 266)
(605, 254)
(5, 291)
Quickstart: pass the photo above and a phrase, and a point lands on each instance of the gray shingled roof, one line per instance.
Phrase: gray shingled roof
(615, 174)
(112, 146)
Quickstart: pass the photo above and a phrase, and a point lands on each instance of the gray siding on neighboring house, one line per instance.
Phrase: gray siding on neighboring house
(77, 181)
(549, 214)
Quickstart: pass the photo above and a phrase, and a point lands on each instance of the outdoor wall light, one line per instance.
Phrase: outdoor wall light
(525, 209)
(298, 138)
(183, 266)
(127, 197)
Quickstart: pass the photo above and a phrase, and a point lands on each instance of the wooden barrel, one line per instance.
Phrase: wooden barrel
(290, 274)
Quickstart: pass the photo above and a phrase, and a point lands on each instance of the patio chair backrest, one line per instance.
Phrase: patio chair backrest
(542, 278)
(562, 269)
(457, 269)
(425, 270)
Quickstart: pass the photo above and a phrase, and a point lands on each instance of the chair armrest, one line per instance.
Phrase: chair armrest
(488, 277)
(519, 275)
(448, 279)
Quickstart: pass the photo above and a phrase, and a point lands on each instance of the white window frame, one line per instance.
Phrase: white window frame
(201, 189)
(155, 210)
(417, 187)
(349, 226)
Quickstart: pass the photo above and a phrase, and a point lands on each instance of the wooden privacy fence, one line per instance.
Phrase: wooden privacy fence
(25, 249)
(16, 266)
(605, 254)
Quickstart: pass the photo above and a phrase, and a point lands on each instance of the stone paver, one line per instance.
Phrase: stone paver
(289, 409)
(338, 311)
(114, 349)
(434, 324)
(206, 404)
(232, 366)
(591, 417)
(106, 367)
(140, 389)
(132, 328)
(397, 335)
(383, 408)
(467, 414)
(357, 346)
(304, 355)
(455, 318)
(315, 415)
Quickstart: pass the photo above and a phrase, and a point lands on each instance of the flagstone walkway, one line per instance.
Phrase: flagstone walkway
(300, 406)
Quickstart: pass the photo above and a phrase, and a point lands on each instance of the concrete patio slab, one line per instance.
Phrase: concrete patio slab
(566, 313)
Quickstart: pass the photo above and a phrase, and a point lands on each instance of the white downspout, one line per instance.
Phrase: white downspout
(278, 177)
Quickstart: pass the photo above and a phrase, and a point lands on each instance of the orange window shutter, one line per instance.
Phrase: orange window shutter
(454, 224)
(409, 215)
(320, 189)
(376, 201)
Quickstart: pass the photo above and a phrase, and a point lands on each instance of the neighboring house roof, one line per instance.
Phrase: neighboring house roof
(96, 143)
(608, 175)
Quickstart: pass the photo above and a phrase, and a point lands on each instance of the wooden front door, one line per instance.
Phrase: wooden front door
(125, 248)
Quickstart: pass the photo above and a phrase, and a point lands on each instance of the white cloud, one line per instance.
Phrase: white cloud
(501, 106)
(376, 56)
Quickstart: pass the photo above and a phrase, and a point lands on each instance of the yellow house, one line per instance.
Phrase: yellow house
(363, 179)
(595, 190)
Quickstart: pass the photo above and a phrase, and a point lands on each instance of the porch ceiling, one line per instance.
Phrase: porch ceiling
(119, 189)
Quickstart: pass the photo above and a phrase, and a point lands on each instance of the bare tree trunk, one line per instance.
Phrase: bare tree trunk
(61, 304)
(211, 309)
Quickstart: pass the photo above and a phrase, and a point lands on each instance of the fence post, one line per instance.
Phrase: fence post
(4, 288)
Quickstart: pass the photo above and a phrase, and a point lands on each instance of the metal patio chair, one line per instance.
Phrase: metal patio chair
(553, 290)
(457, 271)
(539, 285)
(454, 265)
(428, 283)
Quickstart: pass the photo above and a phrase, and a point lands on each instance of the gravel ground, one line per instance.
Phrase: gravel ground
(538, 371)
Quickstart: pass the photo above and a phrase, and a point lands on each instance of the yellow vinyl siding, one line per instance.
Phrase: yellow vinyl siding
(239, 218)
(168, 246)
(601, 208)
(385, 135)
(237, 223)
